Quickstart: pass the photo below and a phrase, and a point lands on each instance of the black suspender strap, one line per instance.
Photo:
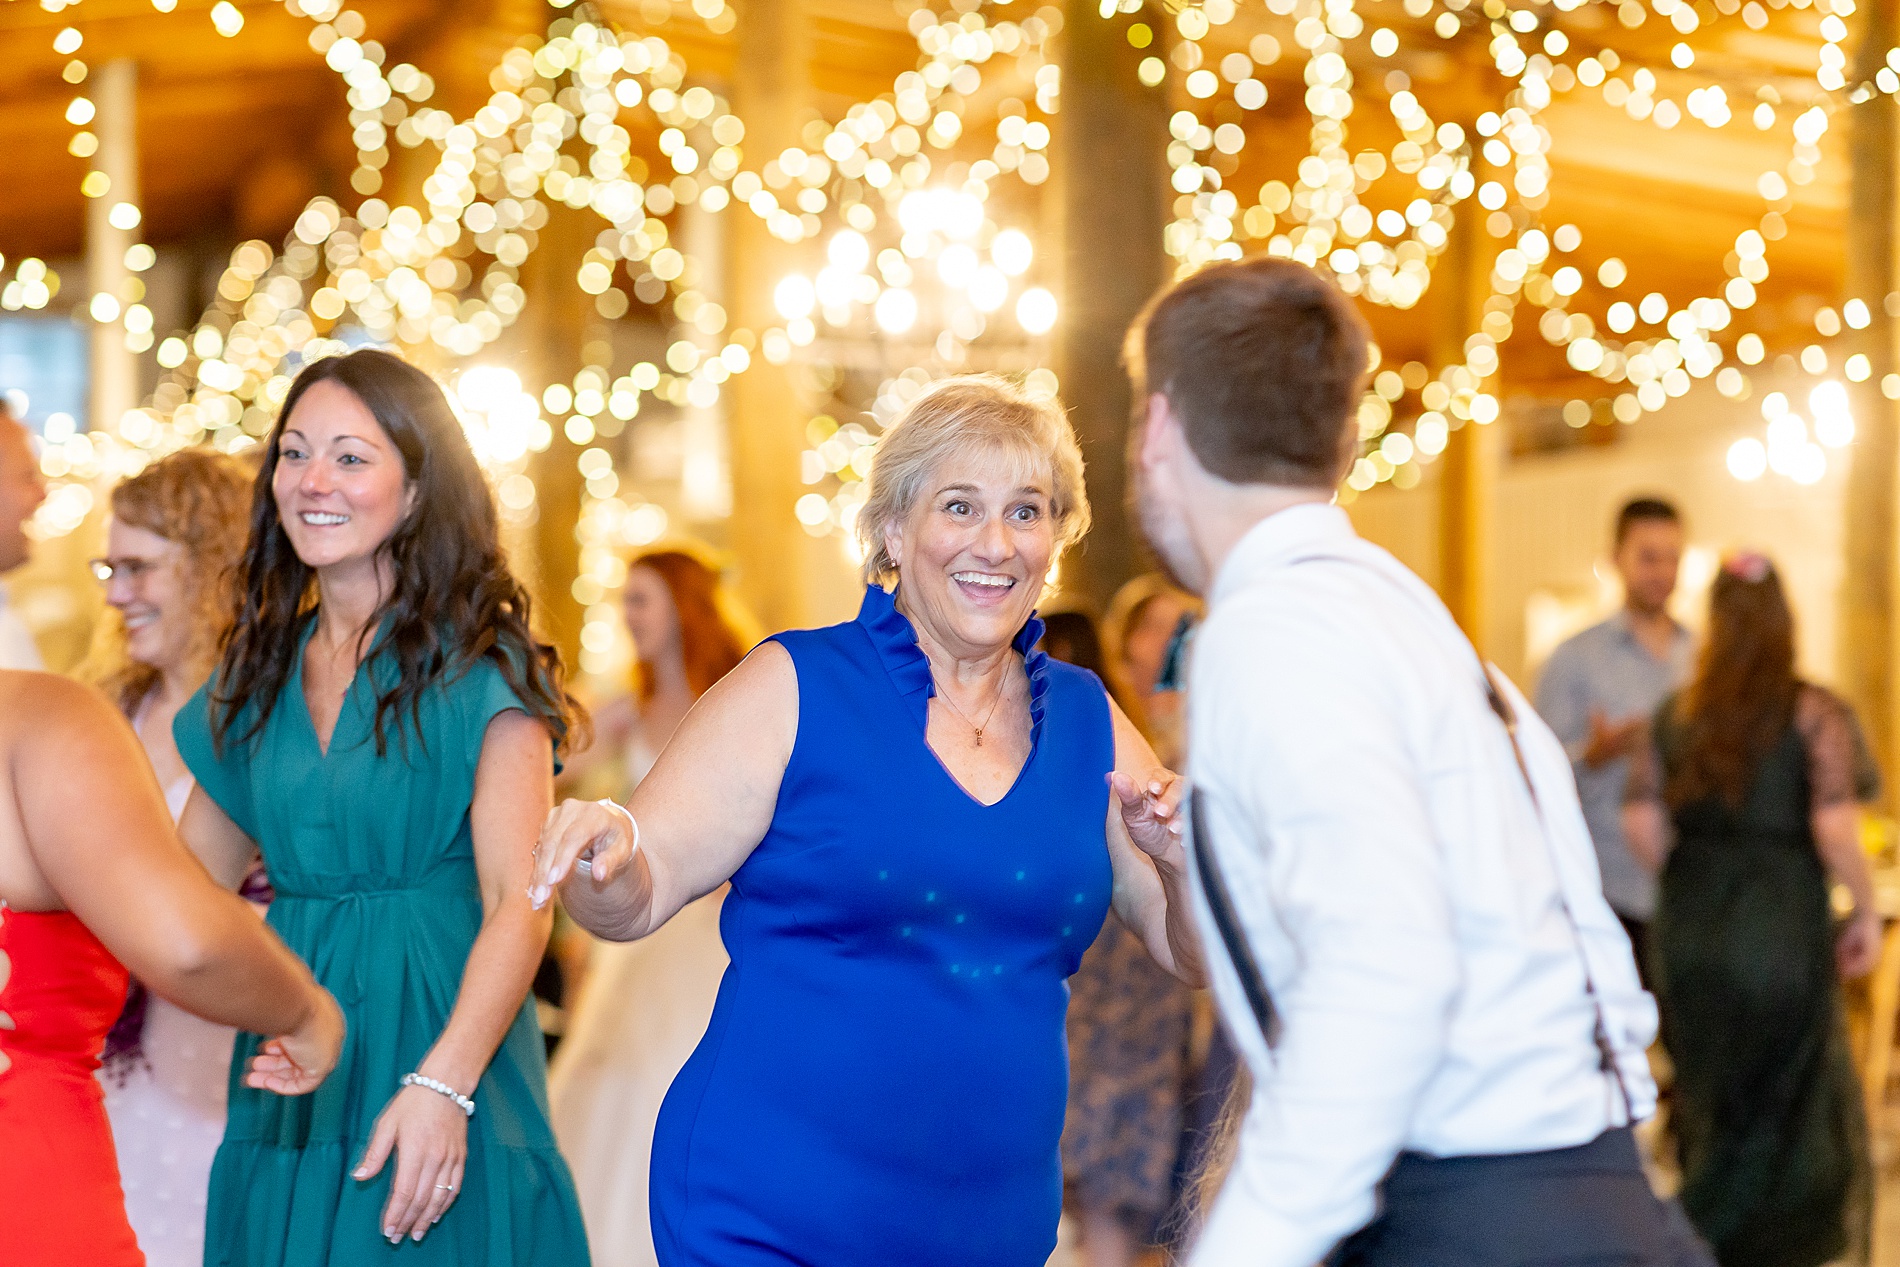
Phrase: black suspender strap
(1606, 1051)
(1220, 905)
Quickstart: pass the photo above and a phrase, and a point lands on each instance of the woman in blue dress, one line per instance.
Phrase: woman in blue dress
(914, 809)
(382, 726)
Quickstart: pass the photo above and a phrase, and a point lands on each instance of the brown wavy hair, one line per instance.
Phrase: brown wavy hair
(709, 646)
(1742, 697)
(454, 600)
(199, 500)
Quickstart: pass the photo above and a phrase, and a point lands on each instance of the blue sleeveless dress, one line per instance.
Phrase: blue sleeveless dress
(884, 1076)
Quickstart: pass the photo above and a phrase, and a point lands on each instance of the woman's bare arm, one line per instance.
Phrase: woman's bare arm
(1144, 846)
(226, 851)
(702, 810)
(102, 841)
(514, 788)
(1827, 736)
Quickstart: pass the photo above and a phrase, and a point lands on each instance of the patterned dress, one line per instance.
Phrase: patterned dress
(1128, 1039)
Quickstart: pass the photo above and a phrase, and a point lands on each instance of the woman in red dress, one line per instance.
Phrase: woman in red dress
(93, 882)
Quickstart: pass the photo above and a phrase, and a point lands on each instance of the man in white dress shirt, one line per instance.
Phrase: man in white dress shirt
(21, 492)
(1445, 1031)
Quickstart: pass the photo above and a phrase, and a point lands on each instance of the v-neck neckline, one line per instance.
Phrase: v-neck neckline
(895, 639)
(1022, 772)
(303, 699)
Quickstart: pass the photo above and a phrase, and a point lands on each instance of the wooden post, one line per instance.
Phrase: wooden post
(1467, 486)
(1866, 655)
(1114, 190)
(556, 321)
(773, 94)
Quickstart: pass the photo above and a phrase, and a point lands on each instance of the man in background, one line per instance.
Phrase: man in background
(21, 492)
(1602, 687)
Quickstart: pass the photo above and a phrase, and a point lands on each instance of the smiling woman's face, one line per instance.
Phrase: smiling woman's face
(646, 604)
(974, 552)
(148, 589)
(340, 486)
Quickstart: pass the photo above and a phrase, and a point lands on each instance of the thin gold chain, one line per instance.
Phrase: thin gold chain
(994, 704)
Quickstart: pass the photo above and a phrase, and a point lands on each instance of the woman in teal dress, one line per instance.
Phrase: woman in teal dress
(382, 727)
(1755, 771)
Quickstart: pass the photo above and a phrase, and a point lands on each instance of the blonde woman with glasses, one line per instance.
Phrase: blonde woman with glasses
(176, 531)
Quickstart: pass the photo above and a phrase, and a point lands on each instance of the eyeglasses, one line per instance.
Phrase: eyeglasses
(130, 569)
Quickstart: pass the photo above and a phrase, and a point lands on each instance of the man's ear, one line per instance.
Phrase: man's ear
(1160, 432)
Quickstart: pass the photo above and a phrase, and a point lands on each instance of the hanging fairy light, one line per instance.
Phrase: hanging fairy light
(1316, 218)
(899, 190)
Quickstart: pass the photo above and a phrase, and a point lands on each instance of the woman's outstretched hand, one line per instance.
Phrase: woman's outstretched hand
(297, 1062)
(428, 1133)
(1151, 813)
(577, 830)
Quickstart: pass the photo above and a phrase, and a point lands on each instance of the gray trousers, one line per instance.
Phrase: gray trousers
(1588, 1206)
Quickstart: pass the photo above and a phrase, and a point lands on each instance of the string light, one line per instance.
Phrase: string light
(902, 201)
(1318, 218)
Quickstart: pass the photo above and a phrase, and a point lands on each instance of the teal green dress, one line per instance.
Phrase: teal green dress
(374, 870)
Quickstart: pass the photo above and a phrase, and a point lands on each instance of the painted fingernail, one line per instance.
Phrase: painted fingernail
(416, 1235)
(390, 1232)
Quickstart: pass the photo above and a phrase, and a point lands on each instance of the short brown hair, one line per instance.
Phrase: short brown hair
(1263, 361)
(1641, 510)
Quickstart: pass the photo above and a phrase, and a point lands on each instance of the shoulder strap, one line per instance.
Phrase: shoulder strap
(1606, 1051)
(1220, 905)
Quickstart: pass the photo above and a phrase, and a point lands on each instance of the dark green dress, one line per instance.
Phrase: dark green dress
(376, 889)
(1767, 1109)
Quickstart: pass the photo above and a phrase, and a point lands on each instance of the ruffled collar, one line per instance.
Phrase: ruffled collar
(895, 640)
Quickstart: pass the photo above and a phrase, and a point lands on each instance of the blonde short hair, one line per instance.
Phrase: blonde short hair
(956, 418)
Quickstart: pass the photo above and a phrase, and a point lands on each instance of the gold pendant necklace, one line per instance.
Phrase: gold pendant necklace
(945, 697)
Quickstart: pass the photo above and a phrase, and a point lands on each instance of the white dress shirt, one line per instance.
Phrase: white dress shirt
(1394, 880)
(17, 648)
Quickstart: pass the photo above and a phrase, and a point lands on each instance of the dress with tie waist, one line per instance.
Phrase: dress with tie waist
(374, 869)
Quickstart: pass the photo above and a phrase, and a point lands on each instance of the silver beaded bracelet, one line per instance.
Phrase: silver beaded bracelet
(586, 865)
(462, 1102)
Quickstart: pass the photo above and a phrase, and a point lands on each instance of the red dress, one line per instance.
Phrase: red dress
(60, 1202)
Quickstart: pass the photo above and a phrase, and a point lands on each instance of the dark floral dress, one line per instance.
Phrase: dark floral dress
(1775, 1162)
(1128, 1031)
